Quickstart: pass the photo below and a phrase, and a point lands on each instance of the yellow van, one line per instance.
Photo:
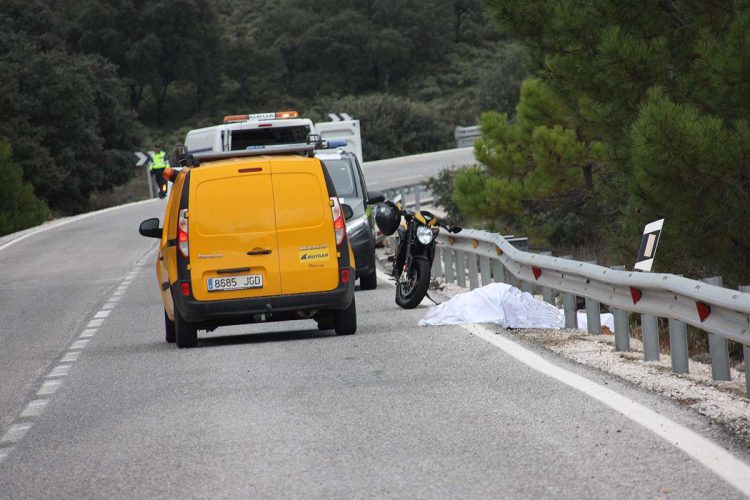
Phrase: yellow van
(253, 236)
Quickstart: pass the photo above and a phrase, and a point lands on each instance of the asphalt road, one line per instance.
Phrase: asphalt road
(284, 411)
(406, 170)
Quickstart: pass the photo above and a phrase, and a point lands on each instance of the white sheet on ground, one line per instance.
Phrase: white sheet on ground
(504, 305)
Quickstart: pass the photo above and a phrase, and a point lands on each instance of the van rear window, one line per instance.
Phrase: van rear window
(242, 139)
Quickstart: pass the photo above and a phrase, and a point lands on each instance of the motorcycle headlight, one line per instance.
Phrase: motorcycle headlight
(425, 235)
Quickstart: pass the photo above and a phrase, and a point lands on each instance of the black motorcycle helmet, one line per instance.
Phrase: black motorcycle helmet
(387, 217)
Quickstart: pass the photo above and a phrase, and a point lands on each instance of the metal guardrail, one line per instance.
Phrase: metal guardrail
(480, 256)
(485, 257)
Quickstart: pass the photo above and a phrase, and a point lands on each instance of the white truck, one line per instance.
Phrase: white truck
(260, 130)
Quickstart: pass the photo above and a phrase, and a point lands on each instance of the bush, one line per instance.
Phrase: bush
(19, 207)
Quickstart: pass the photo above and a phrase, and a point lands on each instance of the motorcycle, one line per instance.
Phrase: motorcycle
(412, 263)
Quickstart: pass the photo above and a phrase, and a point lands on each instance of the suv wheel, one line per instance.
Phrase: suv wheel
(346, 320)
(369, 282)
(186, 334)
(168, 328)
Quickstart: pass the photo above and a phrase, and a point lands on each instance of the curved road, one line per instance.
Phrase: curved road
(95, 405)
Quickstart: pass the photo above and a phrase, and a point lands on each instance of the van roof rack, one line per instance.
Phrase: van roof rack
(276, 149)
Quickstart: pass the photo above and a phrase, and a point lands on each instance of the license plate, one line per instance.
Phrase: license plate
(242, 282)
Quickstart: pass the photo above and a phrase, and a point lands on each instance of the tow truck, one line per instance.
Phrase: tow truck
(268, 130)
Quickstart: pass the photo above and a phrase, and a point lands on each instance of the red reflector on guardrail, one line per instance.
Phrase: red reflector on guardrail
(704, 310)
(537, 271)
(636, 294)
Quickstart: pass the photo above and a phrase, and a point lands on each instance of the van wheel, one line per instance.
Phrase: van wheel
(369, 282)
(168, 328)
(186, 334)
(327, 322)
(346, 320)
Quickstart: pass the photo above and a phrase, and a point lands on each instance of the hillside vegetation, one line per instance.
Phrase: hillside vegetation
(88, 82)
(636, 111)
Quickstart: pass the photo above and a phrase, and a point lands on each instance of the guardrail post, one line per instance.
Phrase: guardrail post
(571, 310)
(622, 325)
(498, 271)
(461, 268)
(593, 314)
(650, 330)
(548, 294)
(746, 354)
(448, 264)
(402, 192)
(593, 317)
(473, 271)
(718, 347)
(678, 346)
(484, 268)
(416, 196)
(622, 330)
(437, 268)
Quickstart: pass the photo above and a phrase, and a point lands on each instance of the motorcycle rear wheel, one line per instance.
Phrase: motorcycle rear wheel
(410, 293)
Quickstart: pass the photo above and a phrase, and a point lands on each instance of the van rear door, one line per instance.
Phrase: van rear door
(233, 246)
(307, 245)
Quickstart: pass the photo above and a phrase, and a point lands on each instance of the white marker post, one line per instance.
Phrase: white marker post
(648, 245)
(649, 323)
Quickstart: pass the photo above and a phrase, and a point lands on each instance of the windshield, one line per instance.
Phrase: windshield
(242, 139)
(342, 175)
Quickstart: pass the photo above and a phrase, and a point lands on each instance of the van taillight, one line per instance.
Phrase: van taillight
(339, 224)
(185, 288)
(182, 233)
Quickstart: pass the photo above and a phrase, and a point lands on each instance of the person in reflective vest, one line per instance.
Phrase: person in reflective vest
(159, 162)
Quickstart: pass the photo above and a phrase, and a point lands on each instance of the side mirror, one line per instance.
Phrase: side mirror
(348, 212)
(150, 228)
(374, 197)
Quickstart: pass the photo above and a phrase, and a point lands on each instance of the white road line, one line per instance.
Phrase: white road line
(4, 452)
(15, 433)
(94, 323)
(89, 332)
(54, 225)
(49, 387)
(34, 408)
(114, 299)
(70, 357)
(102, 314)
(108, 305)
(79, 344)
(59, 371)
(703, 450)
(118, 292)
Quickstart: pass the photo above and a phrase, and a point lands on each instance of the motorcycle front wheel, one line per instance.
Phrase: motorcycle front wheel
(410, 292)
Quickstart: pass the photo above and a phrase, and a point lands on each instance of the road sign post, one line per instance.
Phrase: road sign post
(144, 159)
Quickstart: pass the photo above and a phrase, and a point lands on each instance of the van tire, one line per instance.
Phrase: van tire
(186, 334)
(327, 322)
(369, 282)
(346, 320)
(168, 328)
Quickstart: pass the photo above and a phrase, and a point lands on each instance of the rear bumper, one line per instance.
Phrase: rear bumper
(363, 246)
(275, 308)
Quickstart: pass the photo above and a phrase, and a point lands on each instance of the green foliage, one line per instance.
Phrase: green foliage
(681, 159)
(19, 208)
(660, 89)
(395, 126)
(540, 174)
(82, 76)
(441, 187)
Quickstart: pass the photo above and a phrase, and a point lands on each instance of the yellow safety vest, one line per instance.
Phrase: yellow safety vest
(159, 161)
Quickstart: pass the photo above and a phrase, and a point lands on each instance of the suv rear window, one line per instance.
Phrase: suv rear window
(342, 174)
(241, 139)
